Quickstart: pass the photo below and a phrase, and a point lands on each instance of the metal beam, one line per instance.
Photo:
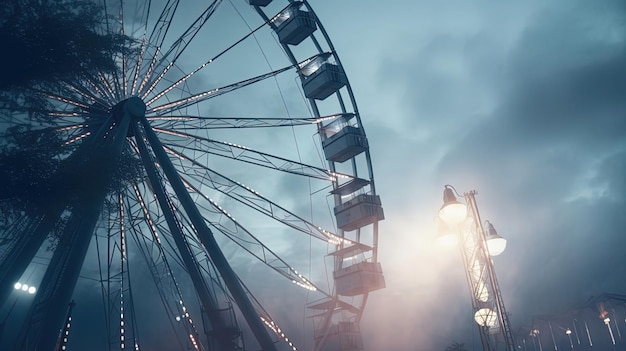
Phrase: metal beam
(208, 240)
(207, 299)
(96, 161)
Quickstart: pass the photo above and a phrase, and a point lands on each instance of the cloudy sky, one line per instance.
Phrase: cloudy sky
(521, 101)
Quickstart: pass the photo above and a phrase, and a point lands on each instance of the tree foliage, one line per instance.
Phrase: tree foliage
(50, 41)
(455, 346)
(48, 44)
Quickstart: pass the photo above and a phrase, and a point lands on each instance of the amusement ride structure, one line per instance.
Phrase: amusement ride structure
(226, 151)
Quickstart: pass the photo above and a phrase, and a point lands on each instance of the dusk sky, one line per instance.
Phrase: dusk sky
(523, 102)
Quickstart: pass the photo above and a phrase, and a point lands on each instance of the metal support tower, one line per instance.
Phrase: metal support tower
(490, 313)
(86, 178)
(87, 175)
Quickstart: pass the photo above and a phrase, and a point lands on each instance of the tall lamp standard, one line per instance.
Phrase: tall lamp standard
(477, 246)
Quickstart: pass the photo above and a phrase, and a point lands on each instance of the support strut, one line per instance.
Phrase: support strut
(207, 299)
(208, 240)
(91, 170)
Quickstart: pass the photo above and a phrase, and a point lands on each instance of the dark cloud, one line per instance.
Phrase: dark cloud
(526, 106)
(554, 151)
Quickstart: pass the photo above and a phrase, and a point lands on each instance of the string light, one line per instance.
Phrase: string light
(270, 324)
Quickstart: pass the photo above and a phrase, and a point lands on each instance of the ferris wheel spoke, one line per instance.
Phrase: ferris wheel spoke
(142, 8)
(129, 69)
(116, 88)
(203, 96)
(158, 33)
(137, 69)
(67, 134)
(144, 44)
(94, 82)
(266, 318)
(121, 322)
(189, 122)
(181, 43)
(154, 254)
(245, 154)
(108, 88)
(251, 198)
(149, 70)
(198, 69)
(105, 10)
(67, 100)
(247, 241)
(58, 115)
(124, 58)
(86, 95)
(101, 91)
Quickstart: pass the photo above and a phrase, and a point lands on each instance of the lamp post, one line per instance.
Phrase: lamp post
(22, 289)
(477, 246)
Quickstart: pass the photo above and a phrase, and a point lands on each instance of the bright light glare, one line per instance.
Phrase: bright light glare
(453, 213)
(496, 246)
(485, 317)
(445, 236)
(446, 240)
(25, 287)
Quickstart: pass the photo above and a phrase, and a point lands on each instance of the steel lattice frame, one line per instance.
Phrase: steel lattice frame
(494, 326)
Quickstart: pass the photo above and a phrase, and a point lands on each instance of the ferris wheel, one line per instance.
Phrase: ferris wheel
(222, 170)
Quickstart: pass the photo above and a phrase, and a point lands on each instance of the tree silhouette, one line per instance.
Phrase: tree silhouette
(455, 346)
(46, 43)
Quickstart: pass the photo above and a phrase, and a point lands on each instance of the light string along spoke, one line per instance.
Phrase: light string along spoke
(189, 122)
(180, 45)
(236, 236)
(203, 96)
(254, 200)
(144, 43)
(196, 98)
(199, 68)
(248, 155)
(161, 271)
(86, 94)
(157, 37)
(124, 55)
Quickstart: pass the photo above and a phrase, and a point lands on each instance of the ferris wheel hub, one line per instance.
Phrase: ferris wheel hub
(135, 106)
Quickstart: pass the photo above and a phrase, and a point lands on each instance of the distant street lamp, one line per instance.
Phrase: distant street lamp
(536, 336)
(568, 332)
(25, 288)
(22, 288)
(607, 322)
(462, 220)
